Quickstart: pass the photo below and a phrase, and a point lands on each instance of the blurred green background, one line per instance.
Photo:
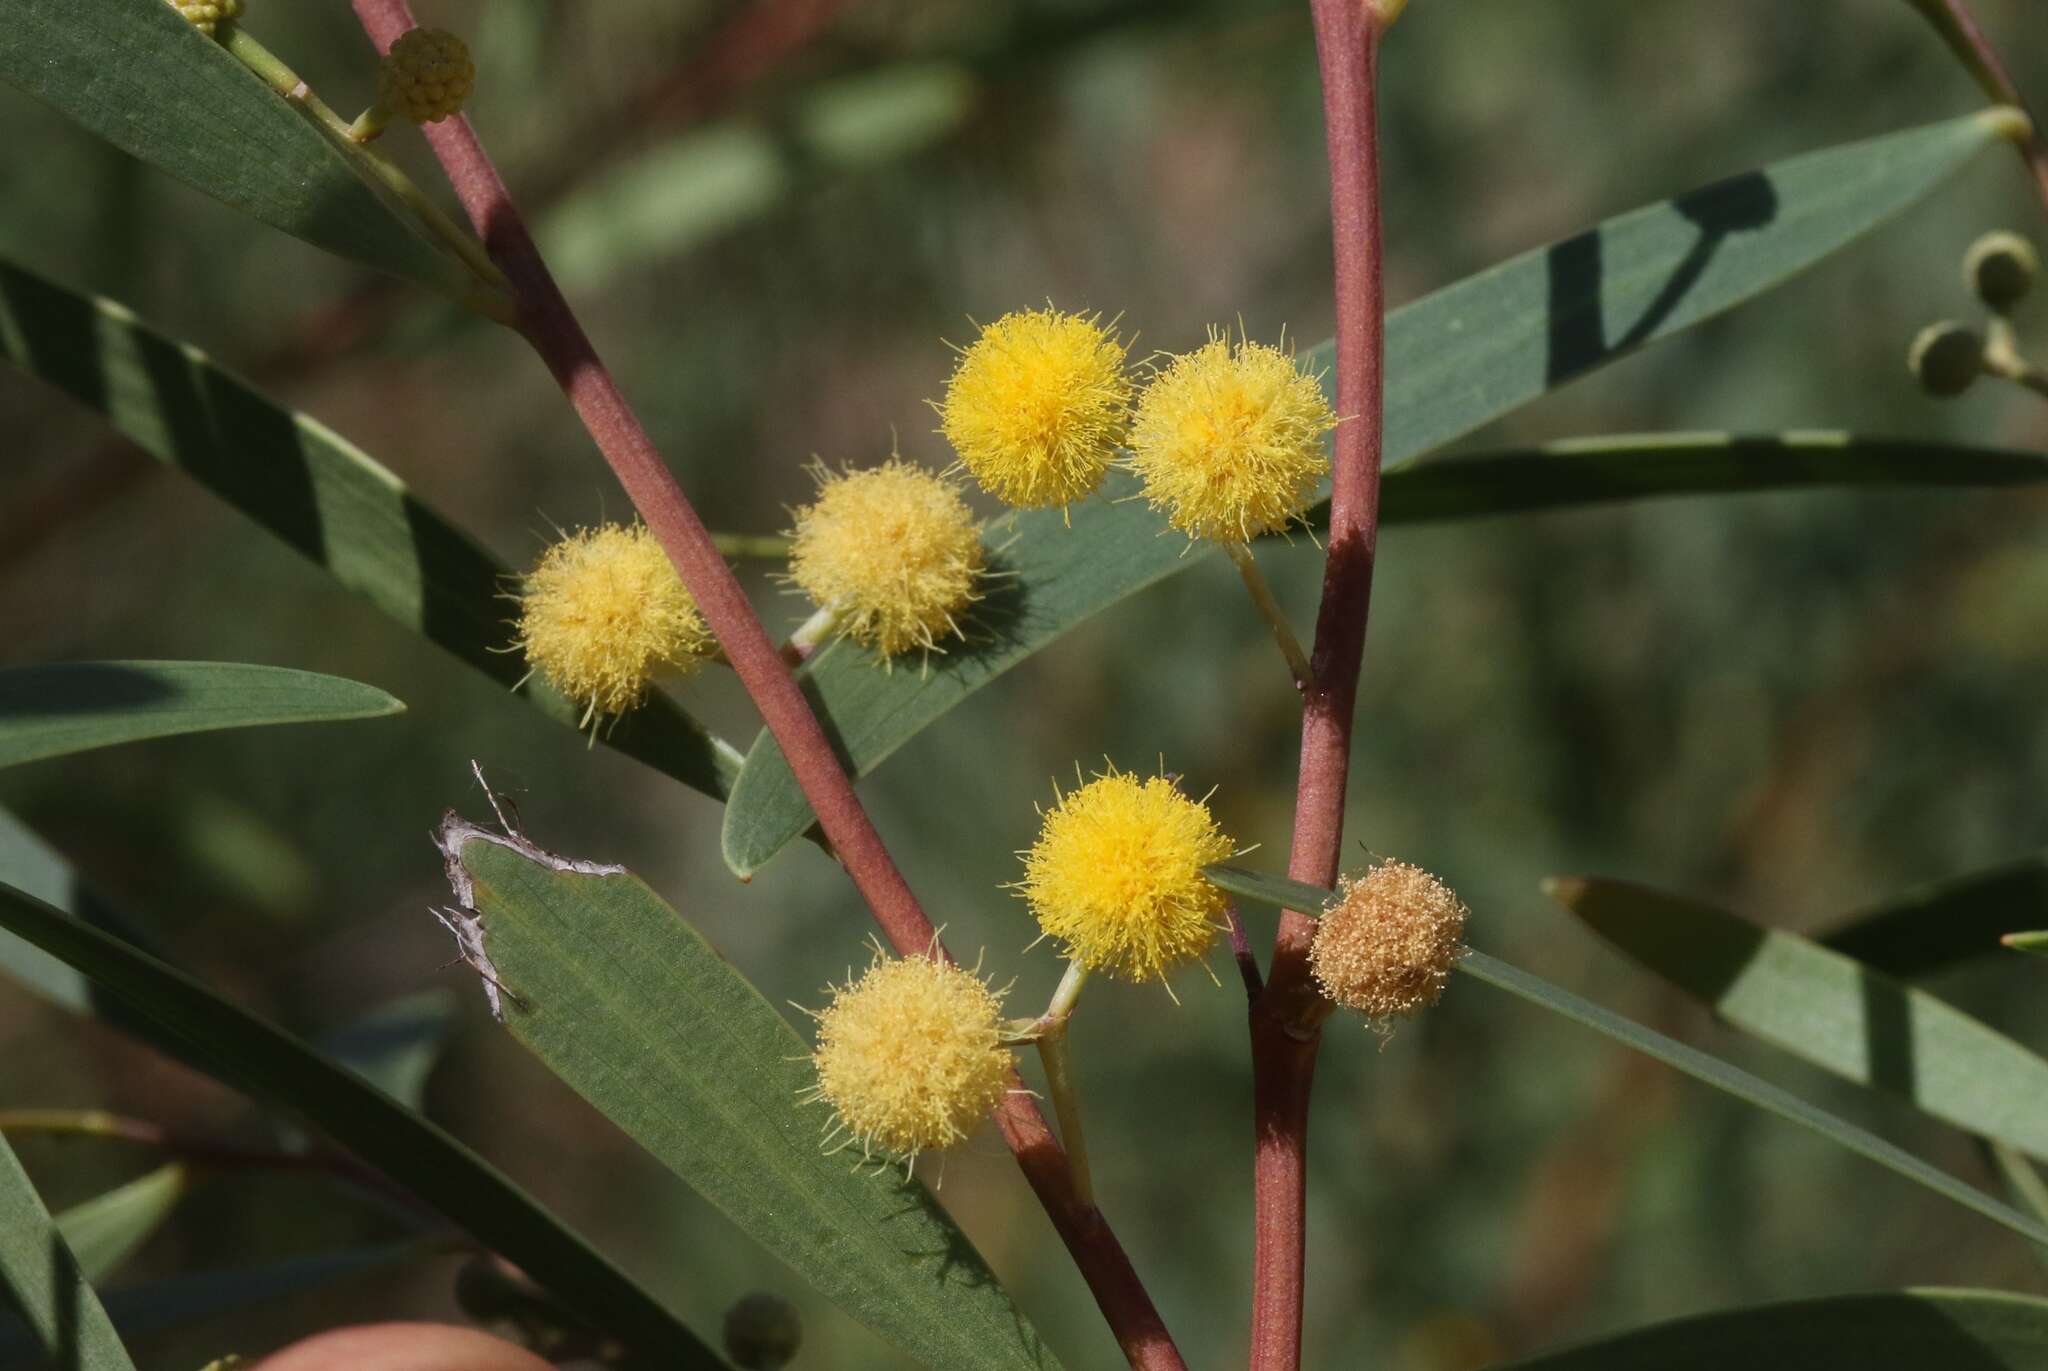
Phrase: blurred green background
(1795, 704)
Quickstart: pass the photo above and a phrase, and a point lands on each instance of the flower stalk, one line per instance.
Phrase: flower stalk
(2003, 358)
(1261, 591)
(813, 633)
(1049, 1033)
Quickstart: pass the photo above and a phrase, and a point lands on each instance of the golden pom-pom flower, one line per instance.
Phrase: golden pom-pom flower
(1116, 876)
(207, 15)
(1228, 440)
(1387, 946)
(426, 76)
(1037, 406)
(603, 613)
(910, 1056)
(894, 550)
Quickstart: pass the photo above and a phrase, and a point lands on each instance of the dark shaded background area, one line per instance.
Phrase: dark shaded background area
(1795, 704)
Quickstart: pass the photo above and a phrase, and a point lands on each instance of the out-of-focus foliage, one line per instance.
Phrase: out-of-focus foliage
(1793, 704)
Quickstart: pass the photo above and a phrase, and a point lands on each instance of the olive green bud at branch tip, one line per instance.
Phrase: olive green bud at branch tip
(425, 77)
(2035, 942)
(1946, 358)
(2000, 268)
(762, 1332)
(2009, 123)
(1385, 12)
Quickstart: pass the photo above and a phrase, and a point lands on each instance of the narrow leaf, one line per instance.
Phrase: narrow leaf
(1278, 891)
(317, 492)
(38, 1269)
(1496, 341)
(48, 711)
(1945, 924)
(395, 1045)
(1744, 1086)
(623, 1000)
(2022, 1182)
(1637, 466)
(141, 77)
(269, 1065)
(1906, 1330)
(1699, 1065)
(1455, 360)
(34, 867)
(105, 1231)
(2035, 943)
(1827, 1008)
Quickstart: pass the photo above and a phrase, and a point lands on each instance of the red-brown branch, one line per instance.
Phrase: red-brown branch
(1286, 1020)
(1965, 37)
(547, 321)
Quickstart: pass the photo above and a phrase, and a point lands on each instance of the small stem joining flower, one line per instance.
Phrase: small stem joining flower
(1049, 1033)
(1066, 1104)
(814, 632)
(1240, 555)
(2003, 358)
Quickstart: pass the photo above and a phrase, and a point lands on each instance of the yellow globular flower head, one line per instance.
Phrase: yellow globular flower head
(910, 1056)
(426, 76)
(206, 15)
(603, 613)
(1037, 406)
(1228, 440)
(895, 549)
(1387, 946)
(1116, 876)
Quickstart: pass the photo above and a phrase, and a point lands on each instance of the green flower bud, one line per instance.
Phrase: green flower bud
(762, 1332)
(1945, 358)
(206, 15)
(426, 76)
(2001, 268)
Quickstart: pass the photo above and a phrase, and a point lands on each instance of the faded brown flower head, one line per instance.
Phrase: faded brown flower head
(1387, 946)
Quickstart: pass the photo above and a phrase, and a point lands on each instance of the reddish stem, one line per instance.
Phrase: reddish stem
(1287, 1018)
(747, 47)
(551, 326)
(1953, 20)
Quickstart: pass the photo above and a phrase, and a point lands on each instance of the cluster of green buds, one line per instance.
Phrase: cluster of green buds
(208, 15)
(1948, 357)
